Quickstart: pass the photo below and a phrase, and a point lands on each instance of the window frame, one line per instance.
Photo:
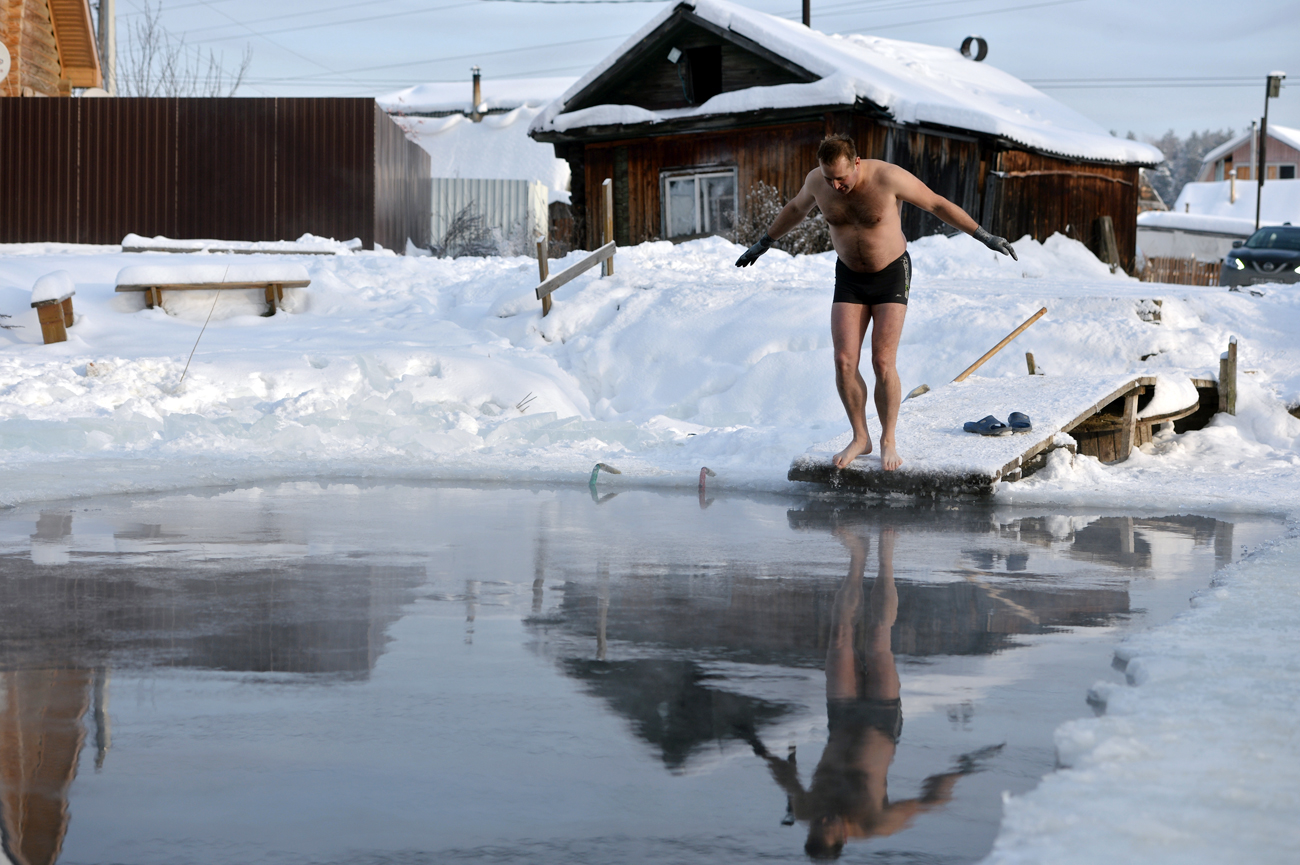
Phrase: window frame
(696, 173)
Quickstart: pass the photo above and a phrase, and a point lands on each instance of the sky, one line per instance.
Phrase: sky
(1145, 66)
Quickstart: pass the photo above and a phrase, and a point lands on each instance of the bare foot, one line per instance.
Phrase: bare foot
(856, 448)
(889, 458)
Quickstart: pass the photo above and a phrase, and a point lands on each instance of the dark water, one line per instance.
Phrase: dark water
(402, 674)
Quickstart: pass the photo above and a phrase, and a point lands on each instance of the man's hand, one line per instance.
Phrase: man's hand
(995, 243)
(751, 255)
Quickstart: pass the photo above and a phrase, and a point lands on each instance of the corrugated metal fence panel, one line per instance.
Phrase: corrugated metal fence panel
(503, 204)
(94, 170)
(402, 188)
(325, 182)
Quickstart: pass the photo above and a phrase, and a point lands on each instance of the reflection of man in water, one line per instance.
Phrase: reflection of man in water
(849, 797)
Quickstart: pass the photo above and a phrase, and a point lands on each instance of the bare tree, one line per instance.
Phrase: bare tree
(159, 63)
(762, 204)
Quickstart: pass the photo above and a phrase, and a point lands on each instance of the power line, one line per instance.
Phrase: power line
(307, 14)
(350, 21)
(473, 56)
(971, 15)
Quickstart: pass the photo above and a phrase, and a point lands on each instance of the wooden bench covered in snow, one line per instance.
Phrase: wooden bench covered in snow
(941, 459)
(52, 300)
(153, 280)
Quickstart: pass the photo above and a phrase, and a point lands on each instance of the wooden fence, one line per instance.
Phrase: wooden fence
(1181, 271)
(94, 170)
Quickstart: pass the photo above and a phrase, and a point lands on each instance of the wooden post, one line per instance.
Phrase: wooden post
(1128, 432)
(67, 312)
(1228, 378)
(543, 271)
(1109, 248)
(51, 318)
(1029, 361)
(607, 233)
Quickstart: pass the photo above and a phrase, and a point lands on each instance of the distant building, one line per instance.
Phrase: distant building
(51, 47)
(481, 156)
(1281, 156)
(710, 98)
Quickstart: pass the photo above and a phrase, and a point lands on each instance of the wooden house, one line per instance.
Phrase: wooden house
(51, 46)
(710, 98)
(1281, 156)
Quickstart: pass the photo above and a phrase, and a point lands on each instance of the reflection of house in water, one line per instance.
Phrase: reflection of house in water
(686, 619)
(65, 620)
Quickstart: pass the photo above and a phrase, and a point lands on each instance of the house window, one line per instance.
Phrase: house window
(1286, 172)
(698, 202)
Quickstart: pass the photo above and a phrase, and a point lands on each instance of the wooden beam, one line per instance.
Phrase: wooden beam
(570, 273)
(1128, 432)
(997, 348)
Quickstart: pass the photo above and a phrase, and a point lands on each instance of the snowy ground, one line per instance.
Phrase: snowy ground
(388, 366)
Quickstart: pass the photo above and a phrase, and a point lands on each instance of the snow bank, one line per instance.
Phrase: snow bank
(1170, 220)
(191, 273)
(53, 286)
(417, 367)
(1197, 763)
(915, 83)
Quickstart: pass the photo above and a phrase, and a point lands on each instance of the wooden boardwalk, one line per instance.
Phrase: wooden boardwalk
(940, 459)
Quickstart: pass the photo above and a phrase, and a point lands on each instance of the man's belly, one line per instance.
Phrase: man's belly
(865, 250)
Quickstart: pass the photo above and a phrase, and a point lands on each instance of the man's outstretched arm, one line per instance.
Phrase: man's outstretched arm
(791, 215)
(907, 187)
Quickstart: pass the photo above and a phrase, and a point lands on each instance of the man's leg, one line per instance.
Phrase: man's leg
(848, 328)
(885, 334)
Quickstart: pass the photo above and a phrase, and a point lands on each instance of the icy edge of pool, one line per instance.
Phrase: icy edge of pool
(1197, 761)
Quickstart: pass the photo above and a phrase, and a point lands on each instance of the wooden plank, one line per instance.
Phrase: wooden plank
(572, 272)
(607, 233)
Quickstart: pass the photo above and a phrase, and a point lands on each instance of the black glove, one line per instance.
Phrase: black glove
(995, 243)
(751, 255)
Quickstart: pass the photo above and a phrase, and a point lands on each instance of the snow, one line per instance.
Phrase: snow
(414, 368)
(306, 243)
(192, 273)
(1196, 764)
(1171, 393)
(497, 93)
(915, 83)
(1212, 202)
(497, 147)
(1285, 134)
(53, 287)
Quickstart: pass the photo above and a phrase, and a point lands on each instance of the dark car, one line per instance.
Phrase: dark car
(1271, 254)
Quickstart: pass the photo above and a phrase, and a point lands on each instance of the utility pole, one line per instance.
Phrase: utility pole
(108, 44)
(807, 13)
(1272, 91)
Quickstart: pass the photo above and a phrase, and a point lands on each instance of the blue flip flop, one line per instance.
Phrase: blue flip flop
(1019, 422)
(988, 426)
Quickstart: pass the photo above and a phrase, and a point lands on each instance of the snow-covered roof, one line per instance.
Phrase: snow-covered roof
(1208, 207)
(1285, 134)
(498, 147)
(915, 83)
(498, 94)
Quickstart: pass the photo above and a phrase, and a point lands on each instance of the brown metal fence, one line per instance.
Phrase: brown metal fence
(94, 170)
(1181, 271)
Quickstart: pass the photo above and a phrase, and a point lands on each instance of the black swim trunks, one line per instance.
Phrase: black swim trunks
(891, 284)
(883, 715)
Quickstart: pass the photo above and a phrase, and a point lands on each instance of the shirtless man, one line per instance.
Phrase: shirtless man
(861, 200)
